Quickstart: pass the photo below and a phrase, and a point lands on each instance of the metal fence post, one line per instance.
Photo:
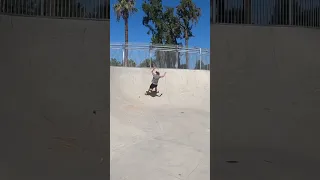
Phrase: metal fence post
(177, 57)
(123, 49)
(290, 12)
(150, 56)
(200, 59)
(171, 60)
(41, 8)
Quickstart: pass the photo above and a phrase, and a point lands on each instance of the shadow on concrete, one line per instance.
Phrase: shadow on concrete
(153, 94)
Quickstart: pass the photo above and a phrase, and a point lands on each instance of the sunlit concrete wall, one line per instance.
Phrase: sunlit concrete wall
(54, 78)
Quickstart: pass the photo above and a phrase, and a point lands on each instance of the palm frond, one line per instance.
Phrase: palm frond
(124, 8)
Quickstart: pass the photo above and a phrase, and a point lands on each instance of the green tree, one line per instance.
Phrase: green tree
(183, 66)
(197, 66)
(172, 30)
(131, 63)
(163, 25)
(162, 22)
(147, 63)
(207, 67)
(203, 66)
(153, 20)
(124, 9)
(115, 62)
(189, 15)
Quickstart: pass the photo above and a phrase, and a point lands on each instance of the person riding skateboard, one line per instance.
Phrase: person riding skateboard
(155, 80)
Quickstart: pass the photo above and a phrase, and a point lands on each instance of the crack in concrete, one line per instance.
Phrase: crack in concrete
(193, 170)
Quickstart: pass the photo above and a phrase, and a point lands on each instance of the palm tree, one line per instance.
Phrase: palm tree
(124, 9)
(189, 15)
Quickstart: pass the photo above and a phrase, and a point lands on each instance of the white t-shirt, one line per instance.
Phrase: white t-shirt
(155, 79)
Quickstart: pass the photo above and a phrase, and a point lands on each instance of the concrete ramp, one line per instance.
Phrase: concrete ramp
(162, 137)
(180, 88)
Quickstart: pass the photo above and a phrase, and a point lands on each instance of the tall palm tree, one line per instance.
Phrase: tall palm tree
(189, 15)
(124, 9)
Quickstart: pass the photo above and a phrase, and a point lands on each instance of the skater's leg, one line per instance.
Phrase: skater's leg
(151, 87)
(156, 89)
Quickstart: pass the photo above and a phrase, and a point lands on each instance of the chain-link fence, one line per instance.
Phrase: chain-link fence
(161, 56)
(304, 13)
(72, 9)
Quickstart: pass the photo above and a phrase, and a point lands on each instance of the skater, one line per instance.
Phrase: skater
(155, 79)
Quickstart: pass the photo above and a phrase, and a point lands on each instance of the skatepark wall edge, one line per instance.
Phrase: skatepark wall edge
(265, 91)
(54, 75)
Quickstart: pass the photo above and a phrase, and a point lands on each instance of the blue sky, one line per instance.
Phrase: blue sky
(138, 32)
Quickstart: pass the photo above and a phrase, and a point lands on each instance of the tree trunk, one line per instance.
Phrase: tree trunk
(126, 42)
(187, 53)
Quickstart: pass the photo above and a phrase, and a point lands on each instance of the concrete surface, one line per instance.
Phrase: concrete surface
(265, 107)
(159, 138)
(54, 73)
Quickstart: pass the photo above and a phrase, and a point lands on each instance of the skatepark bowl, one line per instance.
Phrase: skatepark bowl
(166, 137)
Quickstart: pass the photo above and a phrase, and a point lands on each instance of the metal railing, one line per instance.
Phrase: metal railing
(161, 56)
(305, 13)
(72, 9)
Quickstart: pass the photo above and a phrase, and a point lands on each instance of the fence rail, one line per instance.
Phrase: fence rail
(73, 9)
(305, 13)
(161, 56)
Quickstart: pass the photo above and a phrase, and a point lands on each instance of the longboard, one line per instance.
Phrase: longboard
(153, 93)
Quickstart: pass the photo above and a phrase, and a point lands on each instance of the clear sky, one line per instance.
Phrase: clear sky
(138, 32)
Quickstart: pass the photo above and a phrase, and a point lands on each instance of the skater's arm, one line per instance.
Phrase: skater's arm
(152, 72)
(163, 75)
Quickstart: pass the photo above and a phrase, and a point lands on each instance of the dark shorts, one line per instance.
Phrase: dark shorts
(153, 86)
